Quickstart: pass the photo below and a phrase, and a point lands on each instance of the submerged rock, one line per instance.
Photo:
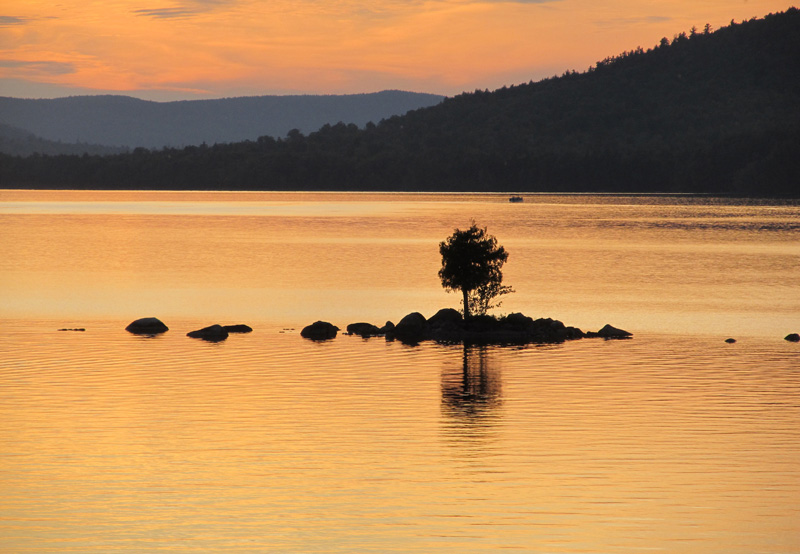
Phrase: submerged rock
(319, 330)
(212, 333)
(793, 337)
(609, 332)
(730, 341)
(364, 330)
(239, 328)
(147, 326)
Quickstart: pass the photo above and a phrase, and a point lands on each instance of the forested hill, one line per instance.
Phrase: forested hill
(715, 111)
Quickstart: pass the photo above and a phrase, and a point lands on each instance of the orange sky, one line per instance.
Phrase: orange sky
(164, 50)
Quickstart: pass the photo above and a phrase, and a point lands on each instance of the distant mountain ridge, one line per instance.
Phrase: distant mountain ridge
(123, 121)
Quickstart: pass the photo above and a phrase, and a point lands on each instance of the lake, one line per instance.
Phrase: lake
(674, 441)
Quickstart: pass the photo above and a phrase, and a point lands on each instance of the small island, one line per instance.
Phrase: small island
(472, 264)
(448, 326)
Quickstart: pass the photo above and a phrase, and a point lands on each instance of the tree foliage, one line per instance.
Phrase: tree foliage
(472, 264)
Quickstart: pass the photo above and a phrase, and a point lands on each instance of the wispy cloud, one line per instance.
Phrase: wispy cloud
(183, 11)
(167, 13)
(38, 67)
(8, 20)
(632, 20)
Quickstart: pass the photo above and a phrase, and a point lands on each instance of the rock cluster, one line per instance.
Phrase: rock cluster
(213, 333)
(448, 326)
(216, 333)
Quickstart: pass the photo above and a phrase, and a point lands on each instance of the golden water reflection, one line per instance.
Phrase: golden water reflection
(266, 442)
(472, 393)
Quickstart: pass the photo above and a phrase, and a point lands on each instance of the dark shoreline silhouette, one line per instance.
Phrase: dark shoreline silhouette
(446, 326)
(449, 326)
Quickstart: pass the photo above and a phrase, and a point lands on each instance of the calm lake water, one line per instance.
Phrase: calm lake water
(674, 441)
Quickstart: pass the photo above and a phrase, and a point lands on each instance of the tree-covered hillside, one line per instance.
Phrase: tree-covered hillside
(706, 111)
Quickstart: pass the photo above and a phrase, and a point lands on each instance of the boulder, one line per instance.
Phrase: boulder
(387, 328)
(411, 328)
(446, 325)
(212, 333)
(147, 326)
(239, 328)
(730, 341)
(319, 330)
(793, 337)
(446, 316)
(516, 320)
(548, 330)
(363, 330)
(609, 332)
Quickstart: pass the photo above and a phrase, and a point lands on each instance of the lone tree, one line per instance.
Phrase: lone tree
(472, 263)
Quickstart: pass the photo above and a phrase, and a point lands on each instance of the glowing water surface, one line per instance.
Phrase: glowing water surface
(674, 441)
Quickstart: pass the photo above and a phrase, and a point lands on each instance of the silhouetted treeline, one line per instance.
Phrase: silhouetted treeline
(708, 111)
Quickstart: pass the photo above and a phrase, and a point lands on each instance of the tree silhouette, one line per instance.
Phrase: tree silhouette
(472, 263)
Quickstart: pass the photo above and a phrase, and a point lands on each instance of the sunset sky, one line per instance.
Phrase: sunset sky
(162, 50)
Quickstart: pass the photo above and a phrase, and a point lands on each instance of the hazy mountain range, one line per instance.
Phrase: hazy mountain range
(122, 121)
(709, 111)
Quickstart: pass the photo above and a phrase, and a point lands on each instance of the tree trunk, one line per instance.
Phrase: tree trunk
(465, 292)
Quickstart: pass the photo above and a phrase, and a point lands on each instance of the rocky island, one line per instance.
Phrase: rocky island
(449, 326)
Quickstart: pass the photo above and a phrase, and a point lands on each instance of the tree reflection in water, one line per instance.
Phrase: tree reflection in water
(472, 393)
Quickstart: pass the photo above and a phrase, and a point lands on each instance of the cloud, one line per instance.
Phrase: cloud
(190, 9)
(8, 20)
(38, 67)
(167, 13)
(632, 20)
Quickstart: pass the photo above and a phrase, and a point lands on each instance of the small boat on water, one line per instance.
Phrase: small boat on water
(515, 199)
